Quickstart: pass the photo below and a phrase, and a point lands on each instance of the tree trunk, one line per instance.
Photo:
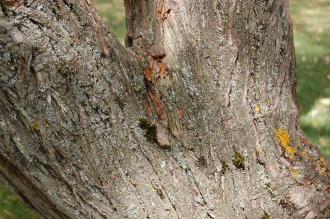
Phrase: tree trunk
(196, 118)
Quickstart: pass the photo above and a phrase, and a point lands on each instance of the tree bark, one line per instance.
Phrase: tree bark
(196, 118)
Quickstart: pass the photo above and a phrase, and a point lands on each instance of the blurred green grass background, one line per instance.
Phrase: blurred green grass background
(312, 39)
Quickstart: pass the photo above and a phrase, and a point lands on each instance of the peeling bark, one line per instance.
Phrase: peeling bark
(196, 118)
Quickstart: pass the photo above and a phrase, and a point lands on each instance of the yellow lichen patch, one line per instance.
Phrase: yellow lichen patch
(304, 154)
(285, 141)
(295, 173)
(257, 109)
(35, 126)
(269, 102)
(322, 166)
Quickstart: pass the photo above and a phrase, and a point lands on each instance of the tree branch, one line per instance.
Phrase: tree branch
(68, 88)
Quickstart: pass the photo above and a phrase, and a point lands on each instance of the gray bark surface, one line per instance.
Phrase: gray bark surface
(196, 118)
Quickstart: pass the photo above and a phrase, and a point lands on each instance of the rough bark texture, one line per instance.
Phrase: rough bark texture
(197, 118)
